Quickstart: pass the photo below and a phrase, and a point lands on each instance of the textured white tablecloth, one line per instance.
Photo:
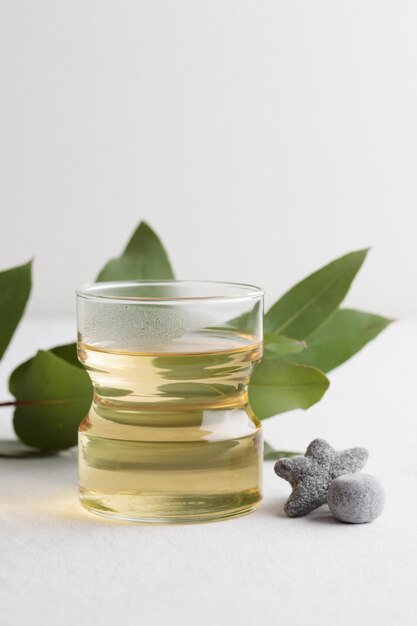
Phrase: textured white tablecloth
(60, 565)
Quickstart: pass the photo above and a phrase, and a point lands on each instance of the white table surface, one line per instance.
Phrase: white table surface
(60, 565)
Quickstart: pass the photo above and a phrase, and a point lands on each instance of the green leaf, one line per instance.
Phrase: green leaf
(15, 285)
(144, 258)
(54, 397)
(247, 322)
(270, 454)
(278, 386)
(311, 302)
(68, 352)
(344, 334)
(278, 345)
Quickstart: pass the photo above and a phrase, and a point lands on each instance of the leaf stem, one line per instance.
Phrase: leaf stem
(30, 402)
(18, 402)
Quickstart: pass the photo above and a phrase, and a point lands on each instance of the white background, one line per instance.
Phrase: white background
(260, 139)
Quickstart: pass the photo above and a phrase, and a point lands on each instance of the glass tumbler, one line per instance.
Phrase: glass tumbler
(170, 435)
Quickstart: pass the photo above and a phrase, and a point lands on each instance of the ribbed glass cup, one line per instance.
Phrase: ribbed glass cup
(170, 435)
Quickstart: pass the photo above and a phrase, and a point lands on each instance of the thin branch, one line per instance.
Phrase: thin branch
(32, 402)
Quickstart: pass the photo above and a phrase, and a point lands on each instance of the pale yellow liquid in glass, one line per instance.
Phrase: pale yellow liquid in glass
(170, 436)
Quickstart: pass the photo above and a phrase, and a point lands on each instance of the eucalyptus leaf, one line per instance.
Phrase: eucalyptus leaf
(344, 334)
(53, 397)
(270, 454)
(279, 345)
(53, 391)
(278, 386)
(144, 258)
(68, 352)
(15, 285)
(247, 322)
(311, 302)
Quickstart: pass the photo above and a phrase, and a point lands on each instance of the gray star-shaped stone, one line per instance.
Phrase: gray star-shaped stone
(310, 475)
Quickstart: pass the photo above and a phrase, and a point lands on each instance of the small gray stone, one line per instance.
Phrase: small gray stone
(310, 475)
(356, 498)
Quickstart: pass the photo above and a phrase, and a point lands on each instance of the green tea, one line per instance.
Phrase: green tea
(170, 435)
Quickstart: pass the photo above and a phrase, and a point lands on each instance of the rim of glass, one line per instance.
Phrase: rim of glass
(99, 292)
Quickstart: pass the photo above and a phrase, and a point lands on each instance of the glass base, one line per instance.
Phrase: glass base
(170, 509)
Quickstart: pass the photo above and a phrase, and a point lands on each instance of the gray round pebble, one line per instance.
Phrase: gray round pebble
(356, 498)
